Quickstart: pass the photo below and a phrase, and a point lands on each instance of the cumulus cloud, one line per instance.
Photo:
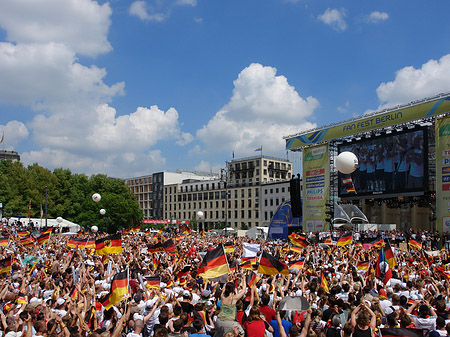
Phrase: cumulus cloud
(411, 84)
(81, 25)
(377, 17)
(263, 108)
(144, 12)
(74, 124)
(12, 134)
(335, 18)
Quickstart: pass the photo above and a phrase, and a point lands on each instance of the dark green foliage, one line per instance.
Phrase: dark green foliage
(68, 195)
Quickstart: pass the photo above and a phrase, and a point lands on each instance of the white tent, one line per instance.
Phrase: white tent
(73, 227)
(257, 232)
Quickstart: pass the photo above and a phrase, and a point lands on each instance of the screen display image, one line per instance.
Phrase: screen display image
(395, 163)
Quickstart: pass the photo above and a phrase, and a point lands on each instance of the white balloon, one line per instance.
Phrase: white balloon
(94, 229)
(199, 214)
(346, 162)
(96, 197)
(59, 219)
(102, 211)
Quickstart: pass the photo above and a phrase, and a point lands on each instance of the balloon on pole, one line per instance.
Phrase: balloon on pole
(96, 197)
(346, 162)
(94, 229)
(102, 211)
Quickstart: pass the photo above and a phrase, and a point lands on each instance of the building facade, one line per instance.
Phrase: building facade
(231, 199)
(9, 155)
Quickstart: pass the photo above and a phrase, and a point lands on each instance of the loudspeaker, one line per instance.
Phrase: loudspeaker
(296, 204)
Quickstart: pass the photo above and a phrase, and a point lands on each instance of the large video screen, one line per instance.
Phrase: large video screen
(395, 163)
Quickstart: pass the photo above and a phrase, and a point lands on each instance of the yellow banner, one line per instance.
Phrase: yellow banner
(378, 121)
(316, 187)
(443, 174)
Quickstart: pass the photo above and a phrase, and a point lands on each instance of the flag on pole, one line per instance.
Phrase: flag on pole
(323, 282)
(389, 255)
(214, 264)
(269, 265)
(110, 244)
(347, 180)
(362, 265)
(415, 244)
(259, 148)
(119, 289)
(382, 269)
(345, 239)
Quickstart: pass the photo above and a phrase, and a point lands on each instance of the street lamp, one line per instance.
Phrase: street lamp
(59, 220)
(200, 216)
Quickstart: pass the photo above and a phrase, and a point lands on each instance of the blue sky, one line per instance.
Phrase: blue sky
(129, 88)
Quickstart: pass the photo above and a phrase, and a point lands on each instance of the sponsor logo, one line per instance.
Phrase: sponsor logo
(320, 184)
(313, 179)
(446, 187)
(445, 170)
(446, 161)
(445, 153)
(445, 179)
(319, 150)
(317, 197)
(316, 172)
(315, 191)
(316, 212)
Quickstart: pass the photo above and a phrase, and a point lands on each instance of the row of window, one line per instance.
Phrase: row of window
(216, 215)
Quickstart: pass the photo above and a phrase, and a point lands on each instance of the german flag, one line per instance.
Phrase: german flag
(183, 272)
(5, 265)
(327, 241)
(119, 289)
(246, 265)
(298, 240)
(232, 266)
(203, 234)
(74, 294)
(21, 299)
(157, 247)
(269, 265)
(169, 246)
(362, 265)
(27, 241)
(43, 238)
(23, 233)
(135, 229)
(252, 279)
(252, 260)
(415, 244)
(74, 242)
(296, 249)
(90, 243)
(214, 264)
(109, 245)
(378, 242)
(48, 231)
(229, 247)
(153, 282)
(323, 282)
(351, 190)
(89, 317)
(389, 255)
(126, 231)
(296, 265)
(345, 240)
(4, 241)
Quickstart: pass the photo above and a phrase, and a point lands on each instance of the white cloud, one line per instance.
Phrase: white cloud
(47, 76)
(411, 84)
(192, 3)
(74, 126)
(205, 166)
(81, 25)
(142, 11)
(263, 108)
(376, 17)
(335, 18)
(13, 133)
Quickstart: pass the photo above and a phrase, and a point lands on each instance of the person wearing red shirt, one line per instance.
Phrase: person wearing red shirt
(255, 326)
(267, 311)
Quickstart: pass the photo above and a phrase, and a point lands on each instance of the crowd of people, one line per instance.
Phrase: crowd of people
(51, 288)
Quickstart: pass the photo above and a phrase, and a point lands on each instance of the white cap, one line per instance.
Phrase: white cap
(60, 301)
(186, 293)
(136, 316)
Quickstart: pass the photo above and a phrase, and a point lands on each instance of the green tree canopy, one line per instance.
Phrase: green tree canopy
(68, 195)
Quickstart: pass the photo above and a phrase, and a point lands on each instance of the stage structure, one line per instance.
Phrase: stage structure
(404, 161)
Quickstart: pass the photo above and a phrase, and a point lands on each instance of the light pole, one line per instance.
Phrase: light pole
(200, 216)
